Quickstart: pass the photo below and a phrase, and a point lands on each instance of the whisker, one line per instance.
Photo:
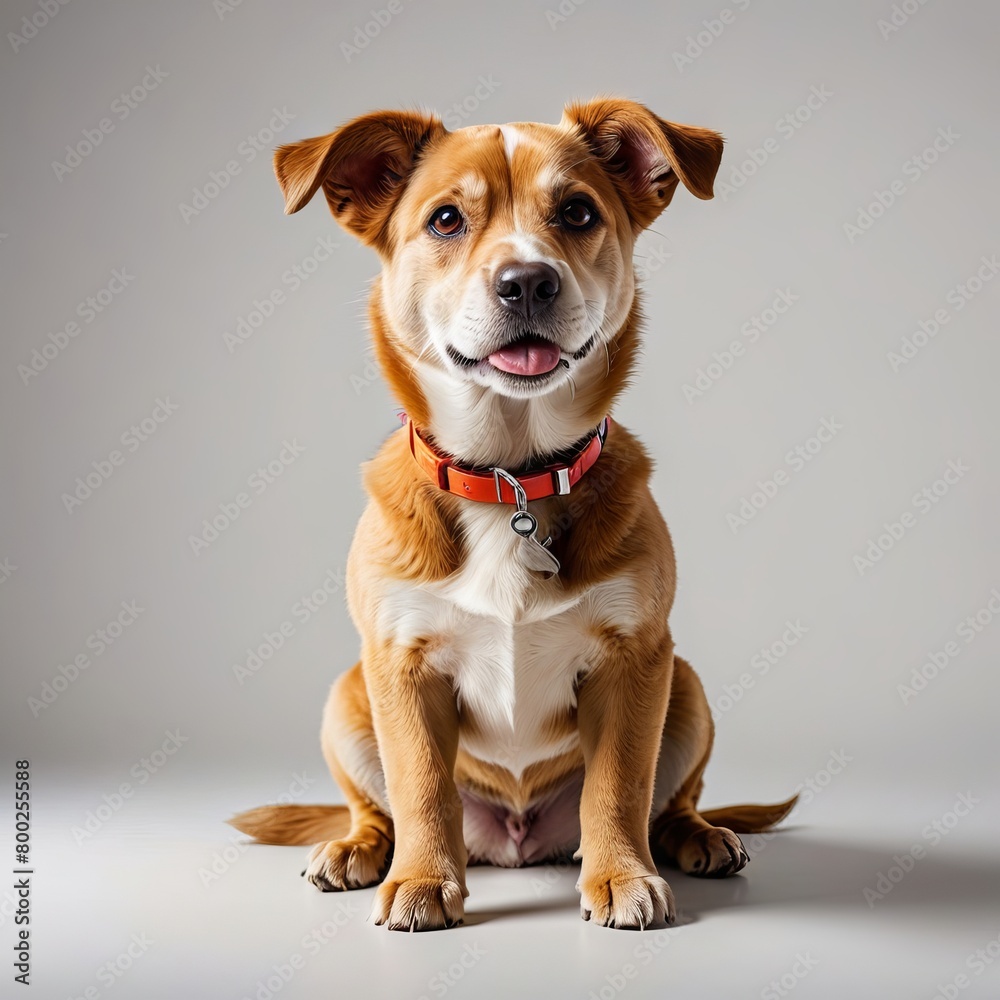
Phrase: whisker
(424, 350)
(566, 169)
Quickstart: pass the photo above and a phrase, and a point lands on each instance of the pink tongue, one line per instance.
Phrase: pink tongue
(529, 357)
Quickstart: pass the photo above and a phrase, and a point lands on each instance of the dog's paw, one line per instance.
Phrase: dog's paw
(713, 853)
(419, 904)
(626, 900)
(351, 863)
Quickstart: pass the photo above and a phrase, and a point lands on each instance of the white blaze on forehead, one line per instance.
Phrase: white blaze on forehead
(511, 139)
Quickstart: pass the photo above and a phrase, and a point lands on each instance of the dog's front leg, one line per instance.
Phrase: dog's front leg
(415, 717)
(621, 707)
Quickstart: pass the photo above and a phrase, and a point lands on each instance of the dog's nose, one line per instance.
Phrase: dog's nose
(527, 288)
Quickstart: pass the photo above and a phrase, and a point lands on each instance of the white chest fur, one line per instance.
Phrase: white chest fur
(513, 644)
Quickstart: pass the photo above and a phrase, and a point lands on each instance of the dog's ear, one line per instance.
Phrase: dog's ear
(362, 168)
(646, 155)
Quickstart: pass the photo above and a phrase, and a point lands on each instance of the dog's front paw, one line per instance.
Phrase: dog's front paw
(713, 853)
(351, 863)
(626, 900)
(419, 904)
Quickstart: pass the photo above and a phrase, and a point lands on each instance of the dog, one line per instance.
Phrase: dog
(518, 699)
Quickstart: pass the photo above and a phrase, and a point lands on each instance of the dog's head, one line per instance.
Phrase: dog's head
(507, 285)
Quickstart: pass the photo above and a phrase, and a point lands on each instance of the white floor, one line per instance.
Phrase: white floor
(207, 916)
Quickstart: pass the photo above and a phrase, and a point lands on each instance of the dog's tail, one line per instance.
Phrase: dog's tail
(303, 825)
(293, 824)
(750, 818)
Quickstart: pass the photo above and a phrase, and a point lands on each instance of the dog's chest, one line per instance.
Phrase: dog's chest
(496, 580)
(513, 644)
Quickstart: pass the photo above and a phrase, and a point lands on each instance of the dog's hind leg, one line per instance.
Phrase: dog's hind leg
(699, 843)
(359, 857)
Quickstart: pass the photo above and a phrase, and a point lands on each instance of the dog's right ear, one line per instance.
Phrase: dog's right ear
(362, 168)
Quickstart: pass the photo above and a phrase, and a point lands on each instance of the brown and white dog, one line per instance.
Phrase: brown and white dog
(518, 698)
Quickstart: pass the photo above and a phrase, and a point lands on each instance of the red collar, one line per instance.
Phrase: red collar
(551, 480)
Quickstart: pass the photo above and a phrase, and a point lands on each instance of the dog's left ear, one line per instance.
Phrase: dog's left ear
(645, 154)
(362, 168)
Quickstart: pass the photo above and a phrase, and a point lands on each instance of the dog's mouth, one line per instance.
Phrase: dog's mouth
(528, 357)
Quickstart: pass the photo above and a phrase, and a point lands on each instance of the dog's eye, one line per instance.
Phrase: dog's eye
(578, 213)
(447, 221)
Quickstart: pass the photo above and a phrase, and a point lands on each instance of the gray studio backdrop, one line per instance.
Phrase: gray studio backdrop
(818, 385)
